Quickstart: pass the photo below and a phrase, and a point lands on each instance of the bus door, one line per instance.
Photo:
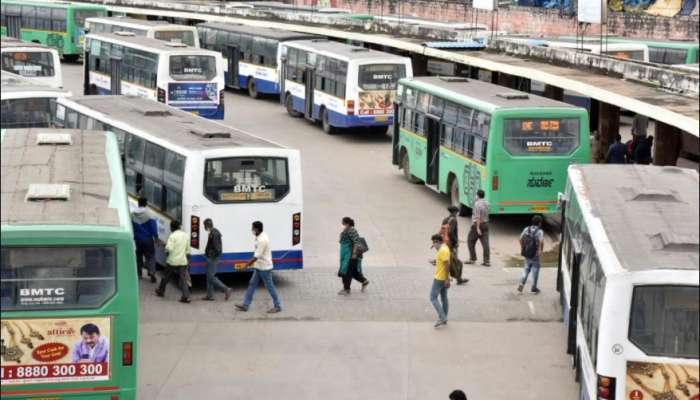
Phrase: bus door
(233, 55)
(282, 79)
(395, 135)
(116, 76)
(309, 93)
(575, 270)
(432, 131)
(14, 26)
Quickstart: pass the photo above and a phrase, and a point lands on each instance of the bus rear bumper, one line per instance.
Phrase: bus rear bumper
(525, 207)
(89, 393)
(210, 113)
(235, 262)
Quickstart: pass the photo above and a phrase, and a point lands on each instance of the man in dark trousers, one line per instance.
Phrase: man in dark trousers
(450, 227)
(642, 155)
(480, 229)
(213, 252)
(617, 152)
(145, 236)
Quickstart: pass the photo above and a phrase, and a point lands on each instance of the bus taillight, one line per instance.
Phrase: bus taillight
(296, 229)
(351, 107)
(606, 388)
(494, 182)
(161, 95)
(221, 97)
(127, 353)
(194, 232)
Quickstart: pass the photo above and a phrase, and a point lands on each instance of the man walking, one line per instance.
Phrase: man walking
(145, 236)
(213, 252)
(531, 245)
(178, 248)
(262, 264)
(450, 228)
(617, 152)
(479, 229)
(441, 279)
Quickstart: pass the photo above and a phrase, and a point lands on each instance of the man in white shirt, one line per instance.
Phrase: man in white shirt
(262, 265)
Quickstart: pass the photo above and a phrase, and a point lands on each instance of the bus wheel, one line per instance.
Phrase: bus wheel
(405, 166)
(327, 127)
(289, 105)
(71, 57)
(252, 91)
(378, 130)
(454, 198)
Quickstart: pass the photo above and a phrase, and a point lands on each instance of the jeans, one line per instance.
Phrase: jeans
(266, 277)
(534, 265)
(212, 281)
(352, 273)
(439, 289)
(146, 250)
(169, 273)
(484, 239)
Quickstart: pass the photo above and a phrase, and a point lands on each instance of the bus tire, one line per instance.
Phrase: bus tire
(378, 130)
(289, 105)
(71, 57)
(577, 366)
(454, 197)
(327, 127)
(252, 90)
(406, 167)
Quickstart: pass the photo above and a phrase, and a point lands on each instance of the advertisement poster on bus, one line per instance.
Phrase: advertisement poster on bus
(55, 350)
(379, 102)
(649, 381)
(192, 94)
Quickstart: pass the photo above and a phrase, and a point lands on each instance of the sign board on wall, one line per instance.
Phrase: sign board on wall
(489, 5)
(593, 11)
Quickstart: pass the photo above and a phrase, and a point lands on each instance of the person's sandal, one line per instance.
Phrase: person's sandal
(343, 292)
(227, 294)
(364, 284)
(273, 310)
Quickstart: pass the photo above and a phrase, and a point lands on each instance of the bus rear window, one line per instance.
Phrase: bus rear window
(185, 37)
(534, 136)
(237, 180)
(664, 320)
(381, 76)
(27, 113)
(192, 67)
(40, 278)
(28, 64)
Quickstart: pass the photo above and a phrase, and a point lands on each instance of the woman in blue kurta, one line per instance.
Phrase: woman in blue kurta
(350, 259)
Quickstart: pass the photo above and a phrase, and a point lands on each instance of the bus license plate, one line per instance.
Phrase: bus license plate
(240, 266)
(381, 118)
(539, 208)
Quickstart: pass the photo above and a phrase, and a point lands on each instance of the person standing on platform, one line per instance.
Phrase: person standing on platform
(213, 252)
(531, 247)
(350, 257)
(262, 271)
(642, 155)
(441, 279)
(178, 249)
(617, 152)
(450, 236)
(479, 230)
(145, 237)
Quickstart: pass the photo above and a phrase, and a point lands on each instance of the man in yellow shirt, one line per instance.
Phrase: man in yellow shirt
(178, 248)
(441, 281)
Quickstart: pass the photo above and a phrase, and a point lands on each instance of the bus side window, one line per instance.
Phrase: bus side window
(43, 18)
(58, 19)
(28, 17)
(447, 133)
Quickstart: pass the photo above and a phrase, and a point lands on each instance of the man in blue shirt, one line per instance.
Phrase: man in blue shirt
(145, 236)
(617, 152)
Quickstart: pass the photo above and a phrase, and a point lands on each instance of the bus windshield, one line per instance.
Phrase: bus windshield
(192, 67)
(28, 64)
(27, 113)
(81, 15)
(536, 136)
(246, 179)
(381, 76)
(179, 36)
(664, 320)
(36, 278)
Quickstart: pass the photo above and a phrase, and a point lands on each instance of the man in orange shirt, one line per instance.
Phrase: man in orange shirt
(441, 281)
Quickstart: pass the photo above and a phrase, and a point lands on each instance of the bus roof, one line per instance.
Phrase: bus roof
(14, 84)
(82, 165)
(145, 43)
(492, 97)
(55, 4)
(649, 214)
(127, 20)
(267, 33)
(10, 42)
(170, 124)
(344, 51)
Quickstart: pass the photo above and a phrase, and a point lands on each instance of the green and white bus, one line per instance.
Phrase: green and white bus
(69, 291)
(460, 135)
(60, 24)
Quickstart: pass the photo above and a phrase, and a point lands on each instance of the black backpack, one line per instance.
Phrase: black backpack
(530, 243)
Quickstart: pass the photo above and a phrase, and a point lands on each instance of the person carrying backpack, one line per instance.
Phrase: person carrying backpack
(352, 247)
(531, 246)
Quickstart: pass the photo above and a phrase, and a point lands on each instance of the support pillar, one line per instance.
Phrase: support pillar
(506, 80)
(667, 144)
(420, 64)
(553, 92)
(473, 72)
(608, 126)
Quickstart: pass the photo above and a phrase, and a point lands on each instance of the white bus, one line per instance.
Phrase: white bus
(172, 73)
(341, 86)
(34, 61)
(25, 104)
(191, 169)
(251, 54)
(161, 30)
(628, 278)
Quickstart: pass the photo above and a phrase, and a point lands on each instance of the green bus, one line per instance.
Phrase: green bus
(69, 291)
(660, 51)
(60, 25)
(459, 135)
